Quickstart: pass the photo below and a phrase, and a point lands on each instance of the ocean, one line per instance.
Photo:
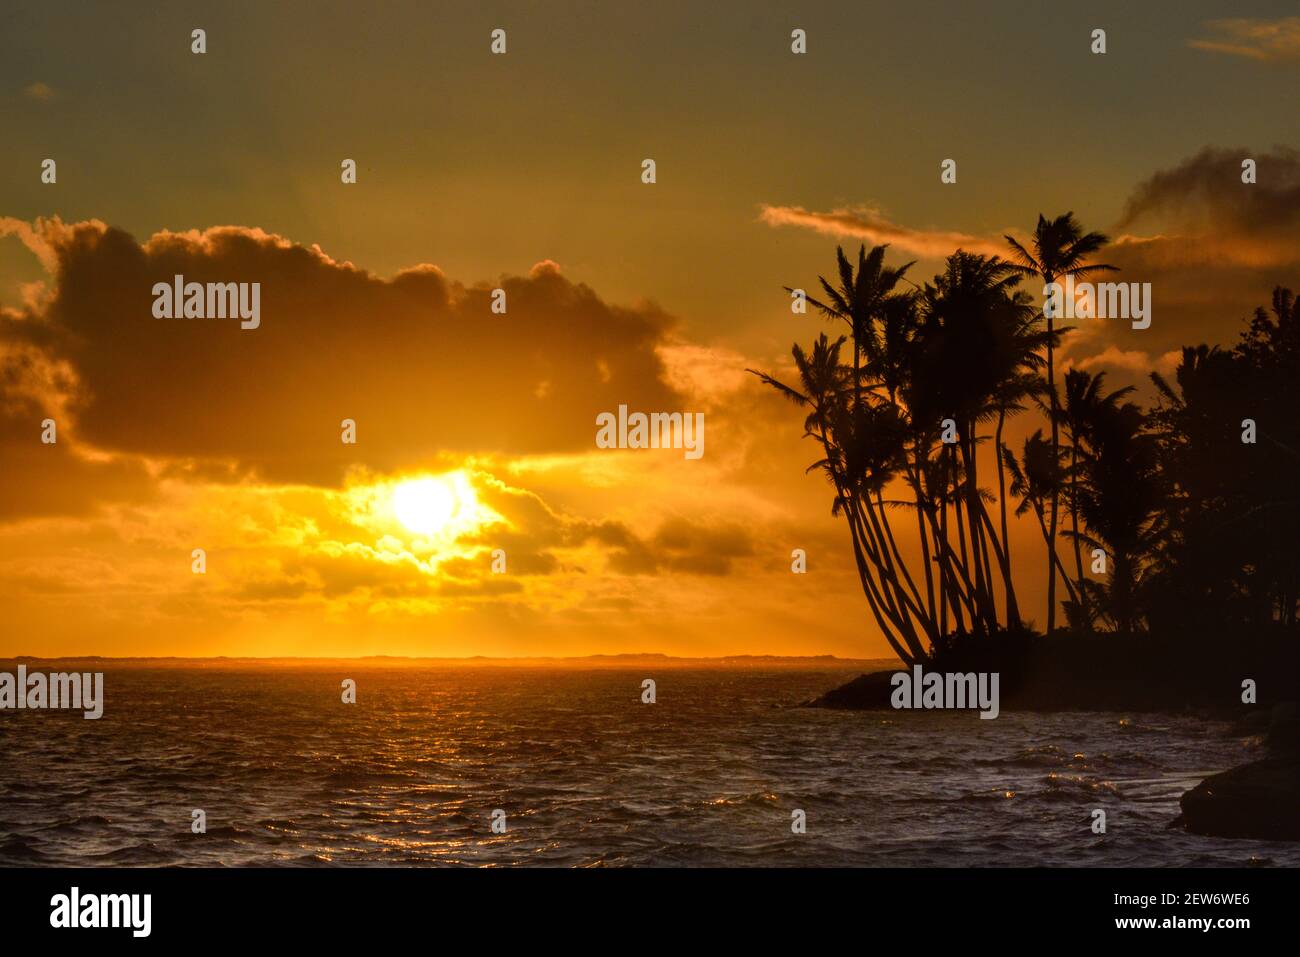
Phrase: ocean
(588, 775)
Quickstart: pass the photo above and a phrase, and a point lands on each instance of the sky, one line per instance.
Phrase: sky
(522, 172)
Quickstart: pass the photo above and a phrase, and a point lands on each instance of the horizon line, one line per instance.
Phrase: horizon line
(658, 656)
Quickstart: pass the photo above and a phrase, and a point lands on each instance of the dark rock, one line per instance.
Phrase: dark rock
(869, 692)
(1284, 727)
(1112, 672)
(1260, 800)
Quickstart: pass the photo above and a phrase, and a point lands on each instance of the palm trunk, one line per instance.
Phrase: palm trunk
(1056, 485)
(961, 527)
(893, 626)
(979, 549)
(909, 606)
(925, 543)
(857, 364)
(868, 589)
(944, 547)
(942, 559)
(1013, 610)
(1074, 526)
(900, 564)
(1060, 566)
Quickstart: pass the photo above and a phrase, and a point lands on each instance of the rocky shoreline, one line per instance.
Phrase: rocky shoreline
(1259, 800)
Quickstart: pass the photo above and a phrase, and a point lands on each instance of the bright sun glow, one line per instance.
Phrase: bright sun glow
(426, 506)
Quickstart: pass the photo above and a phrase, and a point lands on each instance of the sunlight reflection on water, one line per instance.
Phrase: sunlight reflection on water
(588, 775)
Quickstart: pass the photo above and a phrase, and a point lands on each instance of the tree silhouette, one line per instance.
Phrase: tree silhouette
(965, 348)
(1119, 495)
(1080, 414)
(1197, 527)
(1228, 553)
(1058, 249)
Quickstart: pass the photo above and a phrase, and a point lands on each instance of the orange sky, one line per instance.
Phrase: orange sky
(376, 306)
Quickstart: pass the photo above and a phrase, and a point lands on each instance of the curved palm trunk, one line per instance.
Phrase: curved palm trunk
(893, 625)
(1060, 566)
(957, 581)
(1052, 560)
(917, 601)
(925, 540)
(868, 589)
(978, 543)
(961, 531)
(951, 591)
(958, 509)
(1074, 526)
(941, 533)
(907, 605)
(1013, 609)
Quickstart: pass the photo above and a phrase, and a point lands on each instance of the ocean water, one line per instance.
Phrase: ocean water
(589, 776)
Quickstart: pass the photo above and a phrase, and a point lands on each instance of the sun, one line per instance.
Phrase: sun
(435, 510)
(425, 506)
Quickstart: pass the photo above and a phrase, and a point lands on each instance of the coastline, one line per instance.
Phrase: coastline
(1257, 800)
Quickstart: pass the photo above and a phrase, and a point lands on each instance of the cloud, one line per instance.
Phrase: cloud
(709, 374)
(40, 479)
(176, 434)
(44, 237)
(420, 362)
(679, 545)
(1205, 192)
(1211, 246)
(863, 222)
(1134, 361)
(1266, 40)
(541, 540)
(39, 91)
(1214, 248)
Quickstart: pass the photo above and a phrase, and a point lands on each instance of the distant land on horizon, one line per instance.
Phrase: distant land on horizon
(657, 659)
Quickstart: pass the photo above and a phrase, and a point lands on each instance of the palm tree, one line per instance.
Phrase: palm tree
(1059, 248)
(880, 321)
(1083, 408)
(1120, 497)
(1227, 554)
(862, 299)
(977, 342)
(1036, 478)
(968, 347)
(862, 448)
(1010, 400)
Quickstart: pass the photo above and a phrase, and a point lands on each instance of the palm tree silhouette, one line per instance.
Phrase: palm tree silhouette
(863, 445)
(968, 348)
(1154, 490)
(862, 300)
(1036, 477)
(1232, 514)
(1120, 495)
(974, 357)
(1059, 247)
(1083, 408)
